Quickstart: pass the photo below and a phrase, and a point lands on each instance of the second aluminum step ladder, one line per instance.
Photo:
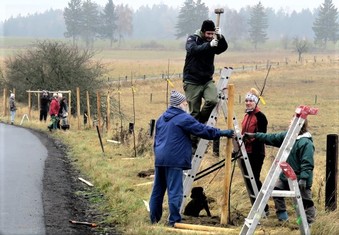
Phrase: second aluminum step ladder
(267, 191)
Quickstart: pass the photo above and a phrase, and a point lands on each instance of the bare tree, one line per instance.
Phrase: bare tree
(301, 46)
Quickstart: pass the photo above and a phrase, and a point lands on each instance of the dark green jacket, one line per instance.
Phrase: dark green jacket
(301, 157)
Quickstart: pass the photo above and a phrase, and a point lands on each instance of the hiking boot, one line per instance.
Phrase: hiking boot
(282, 216)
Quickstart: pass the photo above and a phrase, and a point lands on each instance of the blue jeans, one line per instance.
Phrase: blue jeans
(171, 179)
(12, 116)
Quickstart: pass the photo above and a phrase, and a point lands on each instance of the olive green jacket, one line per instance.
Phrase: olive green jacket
(301, 157)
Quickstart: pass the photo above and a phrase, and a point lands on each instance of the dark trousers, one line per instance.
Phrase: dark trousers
(256, 162)
(43, 115)
(306, 196)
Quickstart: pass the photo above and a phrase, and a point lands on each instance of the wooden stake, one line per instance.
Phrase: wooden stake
(98, 109)
(203, 228)
(78, 106)
(224, 219)
(29, 105)
(88, 110)
(86, 182)
(5, 101)
(108, 115)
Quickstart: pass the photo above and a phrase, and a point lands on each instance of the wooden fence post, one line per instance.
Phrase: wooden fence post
(224, 218)
(331, 172)
(88, 110)
(78, 107)
(99, 108)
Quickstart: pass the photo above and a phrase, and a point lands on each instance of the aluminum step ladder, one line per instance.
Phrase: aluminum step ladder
(191, 175)
(277, 167)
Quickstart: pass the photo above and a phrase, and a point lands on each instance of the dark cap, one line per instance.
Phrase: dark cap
(207, 25)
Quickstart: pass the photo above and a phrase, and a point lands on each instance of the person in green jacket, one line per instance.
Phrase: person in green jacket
(301, 159)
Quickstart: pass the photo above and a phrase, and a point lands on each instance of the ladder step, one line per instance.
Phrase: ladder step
(283, 193)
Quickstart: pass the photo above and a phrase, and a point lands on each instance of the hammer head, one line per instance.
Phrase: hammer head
(219, 10)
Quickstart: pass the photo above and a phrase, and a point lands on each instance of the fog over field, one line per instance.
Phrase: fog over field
(13, 8)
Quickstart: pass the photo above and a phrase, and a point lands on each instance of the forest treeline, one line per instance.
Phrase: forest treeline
(159, 22)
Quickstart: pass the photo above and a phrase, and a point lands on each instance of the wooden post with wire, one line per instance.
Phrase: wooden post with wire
(99, 108)
(224, 218)
(69, 105)
(78, 106)
(5, 94)
(38, 99)
(108, 115)
(88, 110)
(29, 104)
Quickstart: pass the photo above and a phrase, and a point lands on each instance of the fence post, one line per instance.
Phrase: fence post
(151, 127)
(216, 147)
(331, 172)
(78, 106)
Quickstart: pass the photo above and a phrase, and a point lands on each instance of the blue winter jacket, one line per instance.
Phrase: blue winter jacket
(172, 142)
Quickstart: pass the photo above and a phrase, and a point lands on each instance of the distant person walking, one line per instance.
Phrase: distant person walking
(12, 107)
(44, 106)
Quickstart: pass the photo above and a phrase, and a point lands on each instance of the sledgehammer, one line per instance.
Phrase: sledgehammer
(218, 11)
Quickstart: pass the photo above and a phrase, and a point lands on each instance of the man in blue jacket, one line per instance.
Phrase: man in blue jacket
(173, 152)
(301, 159)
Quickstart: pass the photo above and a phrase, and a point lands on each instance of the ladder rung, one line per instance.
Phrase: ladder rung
(282, 193)
(252, 196)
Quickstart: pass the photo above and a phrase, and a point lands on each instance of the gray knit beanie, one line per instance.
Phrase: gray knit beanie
(176, 98)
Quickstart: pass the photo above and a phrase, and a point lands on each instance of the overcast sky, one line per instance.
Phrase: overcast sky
(13, 8)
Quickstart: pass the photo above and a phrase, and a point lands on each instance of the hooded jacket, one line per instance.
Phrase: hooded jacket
(12, 106)
(199, 62)
(301, 157)
(54, 107)
(172, 142)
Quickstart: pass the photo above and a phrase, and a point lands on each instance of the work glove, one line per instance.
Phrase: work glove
(218, 32)
(214, 43)
(302, 184)
(227, 133)
(248, 136)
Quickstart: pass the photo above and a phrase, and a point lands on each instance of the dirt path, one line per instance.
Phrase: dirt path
(61, 198)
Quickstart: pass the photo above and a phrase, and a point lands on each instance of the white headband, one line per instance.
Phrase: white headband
(252, 97)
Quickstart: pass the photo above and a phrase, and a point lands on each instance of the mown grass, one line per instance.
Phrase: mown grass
(114, 172)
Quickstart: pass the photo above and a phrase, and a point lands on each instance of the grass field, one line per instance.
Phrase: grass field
(313, 82)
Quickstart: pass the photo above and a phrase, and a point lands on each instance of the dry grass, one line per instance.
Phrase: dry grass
(115, 172)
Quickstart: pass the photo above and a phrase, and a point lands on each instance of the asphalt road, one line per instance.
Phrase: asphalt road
(22, 159)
